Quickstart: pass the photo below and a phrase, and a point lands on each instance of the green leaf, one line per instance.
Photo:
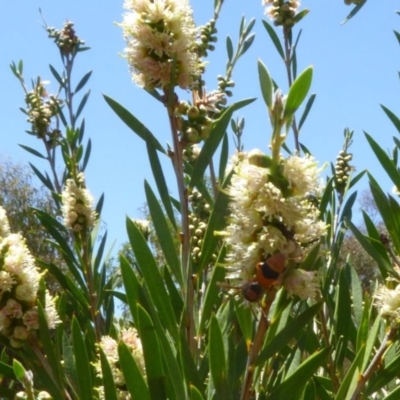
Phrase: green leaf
(384, 377)
(160, 182)
(354, 11)
(393, 117)
(294, 384)
(134, 124)
(87, 155)
(195, 393)
(216, 222)
(229, 48)
(19, 370)
(298, 92)
(385, 161)
(350, 379)
(267, 88)
(152, 277)
(82, 362)
(388, 212)
(299, 16)
(363, 329)
(244, 315)
(131, 285)
(56, 75)
(83, 82)
(348, 206)
(342, 316)
(223, 162)
(152, 355)
(274, 37)
(291, 330)
(369, 347)
(174, 293)
(163, 232)
(45, 180)
(6, 370)
(307, 109)
(32, 151)
(374, 249)
(174, 375)
(212, 143)
(110, 390)
(246, 44)
(212, 296)
(218, 361)
(135, 382)
(188, 366)
(395, 395)
(82, 104)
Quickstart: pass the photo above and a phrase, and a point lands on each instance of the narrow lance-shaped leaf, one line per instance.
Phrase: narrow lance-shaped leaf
(152, 355)
(298, 92)
(291, 330)
(354, 11)
(110, 390)
(160, 182)
(135, 382)
(294, 384)
(164, 234)
(307, 109)
(217, 361)
(83, 81)
(274, 37)
(267, 87)
(82, 362)
(33, 151)
(384, 160)
(229, 48)
(152, 277)
(212, 143)
(133, 123)
(82, 104)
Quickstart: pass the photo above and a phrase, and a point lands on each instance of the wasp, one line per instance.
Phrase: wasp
(268, 274)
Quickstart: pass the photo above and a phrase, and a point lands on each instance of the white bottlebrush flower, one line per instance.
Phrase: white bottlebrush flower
(4, 226)
(301, 283)
(19, 285)
(110, 349)
(303, 175)
(270, 211)
(157, 33)
(388, 301)
(77, 205)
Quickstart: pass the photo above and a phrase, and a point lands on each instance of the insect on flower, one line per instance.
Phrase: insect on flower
(268, 274)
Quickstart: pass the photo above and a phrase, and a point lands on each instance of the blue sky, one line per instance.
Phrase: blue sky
(355, 70)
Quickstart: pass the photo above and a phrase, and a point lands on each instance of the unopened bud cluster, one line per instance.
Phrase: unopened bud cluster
(41, 109)
(19, 286)
(195, 121)
(66, 39)
(207, 37)
(224, 85)
(191, 153)
(342, 169)
(282, 12)
(198, 222)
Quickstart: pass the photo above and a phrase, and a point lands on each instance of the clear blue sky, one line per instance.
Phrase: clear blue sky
(355, 69)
